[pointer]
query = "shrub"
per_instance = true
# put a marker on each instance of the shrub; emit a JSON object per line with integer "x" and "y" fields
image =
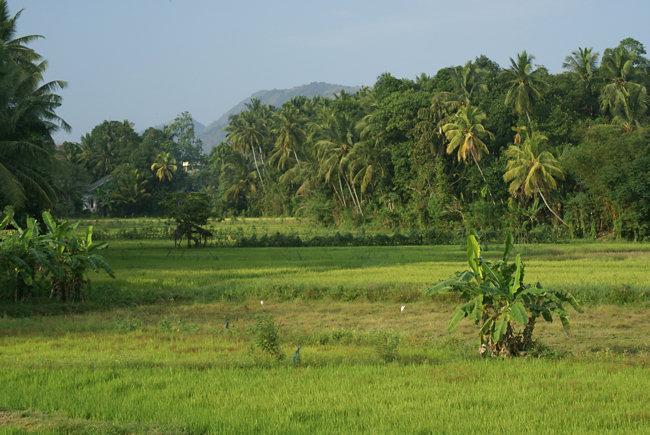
{"x": 267, "y": 336}
{"x": 505, "y": 309}
{"x": 386, "y": 344}
{"x": 32, "y": 262}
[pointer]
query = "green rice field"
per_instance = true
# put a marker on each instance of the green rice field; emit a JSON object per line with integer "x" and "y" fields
{"x": 166, "y": 346}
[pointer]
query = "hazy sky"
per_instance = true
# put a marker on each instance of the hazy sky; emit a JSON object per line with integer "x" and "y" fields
{"x": 148, "y": 60}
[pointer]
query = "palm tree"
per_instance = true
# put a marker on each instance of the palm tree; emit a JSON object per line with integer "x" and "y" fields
{"x": 468, "y": 82}
{"x": 164, "y": 167}
{"x": 624, "y": 99}
{"x": 338, "y": 137}
{"x": 245, "y": 134}
{"x": 465, "y": 133}
{"x": 27, "y": 118}
{"x": 582, "y": 63}
{"x": 525, "y": 85}
{"x": 17, "y": 46}
{"x": 290, "y": 136}
{"x": 238, "y": 178}
{"x": 532, "y": 172}
{"x": 130, "y": 188}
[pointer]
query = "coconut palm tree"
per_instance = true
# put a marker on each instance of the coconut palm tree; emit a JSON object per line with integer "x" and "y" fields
{"x": 531, "y": 171}
{"x": 337, "y": 138}
{"x": 524, "y": 83}
{"x": 468, "y": 82}
{"x": 245, "y": 135}
{"x": 164, "y": 167}
{"x": 465, "y": 133}
{"x": 290, "y": 136}
{"x": 27, "y": 118}
{"x": 582, "y": 63}
{"x": 624, "y": 99}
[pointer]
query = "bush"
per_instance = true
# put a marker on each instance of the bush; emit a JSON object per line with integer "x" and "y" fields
{"x": 504, "y": 308}
{"x": 267, "y": 337}
{"x": 386, "y": 344}
{"x": 33, "y": 263}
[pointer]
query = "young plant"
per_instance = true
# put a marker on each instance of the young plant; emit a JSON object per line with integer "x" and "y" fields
{"x": 500, "y": 304}
{"x": 267, "y": 337}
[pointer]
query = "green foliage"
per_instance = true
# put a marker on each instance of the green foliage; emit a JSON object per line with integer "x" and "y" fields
{"x": 28, "y": 119}
{"x": 188, "y": 208}
{"x": 386, "y": 345}
{"x": 33, "y": 263}
{"x": 613, "y": 170}
{"x": 266, "y": 336}
{"x": 500, "y": 304}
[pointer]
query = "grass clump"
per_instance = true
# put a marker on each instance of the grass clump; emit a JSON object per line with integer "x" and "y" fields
{"x": 386, "y": 345}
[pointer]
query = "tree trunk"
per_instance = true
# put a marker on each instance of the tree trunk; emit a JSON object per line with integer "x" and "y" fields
{"x": 257, "y": 168}
{"x": 354, "y": 200}
{"x": 550, "y": 209}
{"x": 342, "y": 193}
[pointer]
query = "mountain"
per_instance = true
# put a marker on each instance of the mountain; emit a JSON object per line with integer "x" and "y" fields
{"x": 214, "y": 132}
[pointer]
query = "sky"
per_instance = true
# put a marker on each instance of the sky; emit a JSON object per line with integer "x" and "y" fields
{"x": 148, "y": 60}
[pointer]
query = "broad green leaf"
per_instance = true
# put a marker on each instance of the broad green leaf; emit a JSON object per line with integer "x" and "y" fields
{"x": 500, "y": 327}
{"x": 89, "y": 236}
{"x": 459, "y": 315}
{"x": 516, "y": 279}
{"x": 49, "y": 221}
{"x": 519, "y": 313}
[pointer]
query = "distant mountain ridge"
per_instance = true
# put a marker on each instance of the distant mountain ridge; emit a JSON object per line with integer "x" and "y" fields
{"x": 214, "y": 132}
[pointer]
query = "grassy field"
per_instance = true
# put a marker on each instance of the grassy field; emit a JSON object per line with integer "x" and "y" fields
{"x": 149, "y": 351}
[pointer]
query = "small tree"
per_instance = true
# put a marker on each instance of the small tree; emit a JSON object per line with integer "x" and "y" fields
{"x": 188, "y": 210}
{"x": 504, "y": 308}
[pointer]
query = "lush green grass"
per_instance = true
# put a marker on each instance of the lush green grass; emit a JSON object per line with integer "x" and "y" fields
{"x": 149, "y": 351}
{"x": 153, "y": 270}
{"x": 176, "y": 368}
{"x": 246, "y": 226}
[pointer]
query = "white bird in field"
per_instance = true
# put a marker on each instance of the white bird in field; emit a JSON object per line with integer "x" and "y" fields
{"x": 401, "y": 308}
{"x": 262, "y": 303}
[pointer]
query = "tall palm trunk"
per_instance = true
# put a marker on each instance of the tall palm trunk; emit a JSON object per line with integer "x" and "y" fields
{"x": 257, "y": 168}
{"x": 355, "y": 199}
{"x": 550, "y": 209}
{"x": 483, "y": 176}
{"x": 341, "y": 187}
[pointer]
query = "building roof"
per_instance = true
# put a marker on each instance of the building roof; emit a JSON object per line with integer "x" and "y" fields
{"x": 98, "y": 183}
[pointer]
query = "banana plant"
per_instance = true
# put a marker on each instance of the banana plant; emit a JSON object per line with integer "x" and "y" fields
{"x": 504, "y": 308}
{"x": 33, "y": 262}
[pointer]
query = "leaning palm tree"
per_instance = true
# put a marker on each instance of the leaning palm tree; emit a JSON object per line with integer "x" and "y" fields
{"x": 532, "y": 172}
{"x": 164, "y": 167}
{"x": 337, "y": 138}
{"x": 245, "y": 134}
{"x": 525, "y": 85}
{"x": 465, "y": 133}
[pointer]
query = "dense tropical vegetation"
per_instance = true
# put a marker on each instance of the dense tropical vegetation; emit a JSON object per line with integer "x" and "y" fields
{"x": 474, "y": 146}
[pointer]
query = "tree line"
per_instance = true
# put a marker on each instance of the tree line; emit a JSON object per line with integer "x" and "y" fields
{"x": 514, "y": 148}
